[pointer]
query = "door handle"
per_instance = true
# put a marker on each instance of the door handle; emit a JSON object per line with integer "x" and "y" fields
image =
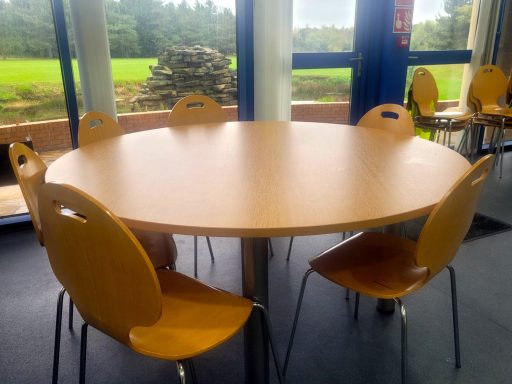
{"x": 359, "y": 60}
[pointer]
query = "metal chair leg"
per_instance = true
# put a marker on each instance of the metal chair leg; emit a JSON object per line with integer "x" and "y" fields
{"x": 455, "y": 316}
{"x": 195, "y": 256}
{"x": 270, "y": 247}
{"x": 192, "y": 370}
{"x": 181, "y": 371}
{"x": 403, "y": 315}
{"x": 271, "y": 338}
{"x": 289, "y": 249}
{"x": 295, "y": 320}
{"x": 56, "y": 347}
{"x": 356, "y": 307}
{"x": 83, "y": 352}
{"x": 210, "y": 248}
{"x": 70, "y": 315}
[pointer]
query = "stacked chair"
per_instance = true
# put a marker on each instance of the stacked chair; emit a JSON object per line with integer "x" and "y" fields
{"x": 385, "y": 266}
{"x": 157, "y": 313}
{"x": 489, "y": 85}
{"x": 422, "y": 100}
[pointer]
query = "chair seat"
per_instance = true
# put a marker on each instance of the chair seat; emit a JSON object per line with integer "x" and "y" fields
{"x": 195, "y": 318}
{"x": 374, "y": 264}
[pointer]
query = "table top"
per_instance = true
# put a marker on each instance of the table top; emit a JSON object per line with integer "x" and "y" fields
{"x": 262, "y": 179}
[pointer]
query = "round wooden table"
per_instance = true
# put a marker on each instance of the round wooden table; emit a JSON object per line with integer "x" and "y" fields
{"x": 256, "y": 180}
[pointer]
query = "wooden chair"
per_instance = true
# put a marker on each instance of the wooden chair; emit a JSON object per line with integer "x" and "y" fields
{"x": 30, "y": 171}
{"x": 425, "y": 95}
{"x": 95, "y": 126}
{"x": 391, "y": 117}
{"x": 158, "y": 313}
{"x": 197, "y": 109}
{"x": 390, "y": 267}
{"x": 488, "y": 86}
{"x": 161, "y": 248}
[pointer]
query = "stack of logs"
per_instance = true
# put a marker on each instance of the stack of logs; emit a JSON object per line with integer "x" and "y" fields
{"x": 183, "y": 71}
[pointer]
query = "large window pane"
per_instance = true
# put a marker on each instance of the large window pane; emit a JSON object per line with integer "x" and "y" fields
{"x": 32, "y": 104}
{"x": 323, "y": 26}
{"x": 440, "y": 25}
{"x": 162, "y": 51}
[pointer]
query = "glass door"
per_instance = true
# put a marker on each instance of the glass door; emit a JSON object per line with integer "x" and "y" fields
{"x": 329, "y": 65}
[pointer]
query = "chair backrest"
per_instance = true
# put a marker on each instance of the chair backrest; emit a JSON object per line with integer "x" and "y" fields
{"x": 95, "y": 126}
{"x": 99, "y": 262}
{"x": 196, "y": 109}
{"x": 391, "y": 117}
{"x": 424, "y": 91}
{"x": 450, "y": 220}
{"x": 489, "y": 84}
{"x": 472, "y": 103}
{"x": 30, "y": 171}
{"x": 509, "y": 89}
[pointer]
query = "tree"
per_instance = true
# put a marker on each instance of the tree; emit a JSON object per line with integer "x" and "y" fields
{"x": 122, "y": 32}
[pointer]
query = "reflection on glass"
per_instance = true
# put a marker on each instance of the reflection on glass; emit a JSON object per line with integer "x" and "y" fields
{"x": 323, "y": 25}
{"x": 155, "y": 58}
{"x": 440, "y": 25}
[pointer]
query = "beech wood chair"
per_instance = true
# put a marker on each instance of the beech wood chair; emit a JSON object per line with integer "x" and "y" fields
{"x": 391, "y": 117}
{"x": 425, "y": 95}
{"x": 196, "y": 109}
{"x": 385, "y": 266}
{"x": 161, "y": 248}
{"x": 488, "y": 86}
{"x": 157, "y": 313}
{"x": 95, "y": 126}
{"x": 30, "y": 171}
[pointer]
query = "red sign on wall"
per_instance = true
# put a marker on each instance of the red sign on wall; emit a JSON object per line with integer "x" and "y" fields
{"x": 403, "y": 20}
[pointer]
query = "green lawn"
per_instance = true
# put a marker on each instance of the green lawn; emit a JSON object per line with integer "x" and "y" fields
{"x": 32, "y": 88}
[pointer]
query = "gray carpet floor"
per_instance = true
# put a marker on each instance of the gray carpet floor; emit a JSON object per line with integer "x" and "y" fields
{"x": 330, "y": 346}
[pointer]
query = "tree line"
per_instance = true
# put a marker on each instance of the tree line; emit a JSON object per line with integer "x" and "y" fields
{"x": 143, "y": 28}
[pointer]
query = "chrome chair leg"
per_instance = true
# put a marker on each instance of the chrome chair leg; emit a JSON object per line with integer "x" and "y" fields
{"x": 356, "y": 307}
{"x": 192, "y": 370}
{"x": 195, "y": 256}
{"x": 181, "y": 371}
{"x": 210, "y": 249}
{"x": 83, "y": 352}
{"x": 271, "y": 338}
{"x": 295, "y": 320}
{"x": 455, "y": 315}
{"x": 289, "y": 249}
{"x": 271, "y": 249}
{"x": 70, "y": 315}
{"x": 56, "y": 347}
{"x": 403, "y": 315}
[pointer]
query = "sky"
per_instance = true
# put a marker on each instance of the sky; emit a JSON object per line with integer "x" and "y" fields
{"x": 337, "y": 12}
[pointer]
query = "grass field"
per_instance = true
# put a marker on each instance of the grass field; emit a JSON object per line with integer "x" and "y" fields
{"x": 31, "y": 89}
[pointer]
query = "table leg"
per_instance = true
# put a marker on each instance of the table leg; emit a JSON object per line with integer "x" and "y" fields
{"x": 255, "y": 287}
{"x": 388, "y": 305}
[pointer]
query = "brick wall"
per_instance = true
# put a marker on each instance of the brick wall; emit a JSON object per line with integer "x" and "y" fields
{"x": 54, "y": 134}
